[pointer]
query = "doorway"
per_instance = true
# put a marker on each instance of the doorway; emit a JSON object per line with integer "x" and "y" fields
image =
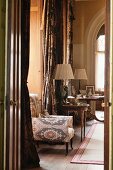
{"x": 88, "y": 50}
{"x": 106, "y": 91}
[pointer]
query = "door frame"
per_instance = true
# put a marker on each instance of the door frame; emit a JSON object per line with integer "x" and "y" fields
{"x": 2, "y": 79}
{"x": 12, "y": 120}
{"x": 107, "y": 87}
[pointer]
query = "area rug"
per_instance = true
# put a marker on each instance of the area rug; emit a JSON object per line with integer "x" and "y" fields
{"x": 91, "y": 150}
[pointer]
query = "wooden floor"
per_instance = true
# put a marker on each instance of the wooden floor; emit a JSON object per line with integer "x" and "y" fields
{"x": 52, "y": 157}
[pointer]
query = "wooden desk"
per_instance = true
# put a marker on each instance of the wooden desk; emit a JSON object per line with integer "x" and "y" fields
{"x": 82, "y": 108}
{"x": 89, "y": 99}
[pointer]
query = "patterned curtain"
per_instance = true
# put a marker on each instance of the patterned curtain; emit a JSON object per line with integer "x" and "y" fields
{"x": 52, "y": 47}
{"x": 70, "y": 18}
{"x": 29, "y": 155}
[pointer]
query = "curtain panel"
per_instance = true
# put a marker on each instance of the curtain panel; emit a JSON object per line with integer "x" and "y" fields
{"x": 52, "y": 48}
{"x": 29, "y": 155}
{"x": 70, "y": 18}
{"x": 57, "y": 37}
{"x": 69, "y": 45}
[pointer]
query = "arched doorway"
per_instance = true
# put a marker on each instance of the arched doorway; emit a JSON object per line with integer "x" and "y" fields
{"x": 90, "y": 39}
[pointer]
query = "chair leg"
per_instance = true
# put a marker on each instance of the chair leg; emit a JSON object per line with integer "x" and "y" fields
{"x": 71, "y": 143}
{"x": 66, "y": 148}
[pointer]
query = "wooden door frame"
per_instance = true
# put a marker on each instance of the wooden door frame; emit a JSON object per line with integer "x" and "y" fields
{"x": 107, "y": 75}
{"x": 107, "y": 87}
{"x": 2, "y": 79}
{"x": 12, "y": 86}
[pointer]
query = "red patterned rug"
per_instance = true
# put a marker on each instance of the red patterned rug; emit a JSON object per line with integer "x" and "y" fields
{"x": 91, "y": 150}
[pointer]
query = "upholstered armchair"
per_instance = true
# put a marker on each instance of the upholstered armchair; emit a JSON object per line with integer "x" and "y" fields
{"x": 50, "y": 128}
{"x": 56, "y": 129}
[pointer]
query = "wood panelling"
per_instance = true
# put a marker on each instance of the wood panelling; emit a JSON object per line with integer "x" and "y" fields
{"x": 35, "y": 66}
{"x": 34, "y": 2}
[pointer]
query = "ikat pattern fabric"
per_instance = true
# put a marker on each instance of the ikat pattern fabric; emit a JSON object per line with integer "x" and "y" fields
{"x": 52, "y": 129}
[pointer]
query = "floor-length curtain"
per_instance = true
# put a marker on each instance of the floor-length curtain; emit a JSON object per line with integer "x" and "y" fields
{"x": 52, "y": 47}
{"x": 29, "y": 155}
{"x": 57, "y": 45}
{"x": 69, "y": 48}
{"x": 70, "y": 18}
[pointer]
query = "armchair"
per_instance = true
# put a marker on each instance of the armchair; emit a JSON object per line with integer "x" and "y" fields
{"x": 56, "y": 129}
{"x": 50, "y": 128}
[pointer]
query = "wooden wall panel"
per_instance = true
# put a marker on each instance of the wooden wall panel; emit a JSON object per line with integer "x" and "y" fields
{"x": 34, "y": 2}
{"x": 35, "y": 67}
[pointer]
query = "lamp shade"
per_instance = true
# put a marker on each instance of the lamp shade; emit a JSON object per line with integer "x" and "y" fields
{"x": 80, "y": 74}
{"x": 63, "y": 72}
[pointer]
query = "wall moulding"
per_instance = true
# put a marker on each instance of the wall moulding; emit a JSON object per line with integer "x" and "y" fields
{"x": 90, "y": 38}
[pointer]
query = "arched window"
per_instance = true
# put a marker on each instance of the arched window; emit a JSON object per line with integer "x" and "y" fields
{"x": 100, "y": 63}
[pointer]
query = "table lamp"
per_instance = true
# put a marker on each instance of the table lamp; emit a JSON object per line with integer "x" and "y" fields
{"x": 64, "y": 72}
{"x": 80, "y": 74}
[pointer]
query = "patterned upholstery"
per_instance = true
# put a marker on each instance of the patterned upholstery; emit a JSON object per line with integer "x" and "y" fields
{"x": 47, "y": 129}
{"x": 56, "y": 129}
{"x": 69, "y": 119}
{"x": 53, "y": 129}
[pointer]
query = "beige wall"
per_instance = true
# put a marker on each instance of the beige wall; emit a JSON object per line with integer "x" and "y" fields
{"x": 84, "y": 13}
{"x": 35, "y": 67}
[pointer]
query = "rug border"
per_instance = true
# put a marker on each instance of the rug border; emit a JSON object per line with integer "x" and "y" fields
{"x": 78, "y": 153}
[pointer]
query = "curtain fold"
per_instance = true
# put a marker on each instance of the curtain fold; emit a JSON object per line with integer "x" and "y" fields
{"x": 29, "y": 155}
{"x": 69, "y": 48}
{"x": 57, "y": 42}
{"x": 52, "y": 51}
{"x": 70, "y": 18}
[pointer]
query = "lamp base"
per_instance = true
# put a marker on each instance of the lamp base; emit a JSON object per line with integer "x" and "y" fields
{"x": 78, "y": 86}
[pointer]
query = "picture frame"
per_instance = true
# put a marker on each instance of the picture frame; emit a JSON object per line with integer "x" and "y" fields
{"x": 90, "y": 90}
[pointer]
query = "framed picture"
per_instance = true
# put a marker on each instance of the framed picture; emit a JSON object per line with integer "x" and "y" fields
{"x": 90, "y": 90}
